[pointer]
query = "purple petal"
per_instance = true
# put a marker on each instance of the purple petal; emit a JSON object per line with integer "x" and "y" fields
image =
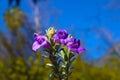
{"x": 62, "y": 34}
{"x": 78, "y": 42}
{"x": 35, "y": 36}
{"x": 56, "y": 38}
{"x": 73, "y": 50}
{"x": 62, "y": 41}
{"x": 80, "y": 50}
{"x": 68, "y": 41}
{"x": 35, "y": 46}
{"x": 45, "y": 44}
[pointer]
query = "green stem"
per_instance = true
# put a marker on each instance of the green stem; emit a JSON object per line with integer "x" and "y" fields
{"x": 67, "y": 68}
{"x": 54, "y": 62}
{"x": 58, "y": 72}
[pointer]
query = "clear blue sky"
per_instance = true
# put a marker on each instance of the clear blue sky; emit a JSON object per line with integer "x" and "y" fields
{"x": 80, "y": 15}
{"x": 84, "y": 14}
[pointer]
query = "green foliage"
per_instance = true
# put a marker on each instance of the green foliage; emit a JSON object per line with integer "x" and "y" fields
{"x": 86, "y": 71}
{"x": 20, "y": 69}
{"x": 14, "y": 18}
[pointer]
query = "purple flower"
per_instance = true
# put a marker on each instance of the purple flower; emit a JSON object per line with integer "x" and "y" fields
{"x": 62, "y": 37}
{"x": 75, "y": 46}
{"x": 40, "y": 41}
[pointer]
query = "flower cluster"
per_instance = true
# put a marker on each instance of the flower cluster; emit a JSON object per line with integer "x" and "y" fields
{"x": 60, "y": 47}
{"x": 60, "y": 37}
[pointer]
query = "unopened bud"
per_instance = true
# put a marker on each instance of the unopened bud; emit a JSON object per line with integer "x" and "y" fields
{"x": 50, "y": 32}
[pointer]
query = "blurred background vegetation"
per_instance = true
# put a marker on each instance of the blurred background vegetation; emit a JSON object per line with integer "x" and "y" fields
{"x": 19, "y": 62}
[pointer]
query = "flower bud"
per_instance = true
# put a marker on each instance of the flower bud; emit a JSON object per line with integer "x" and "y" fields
{"x": 50, "y": 32}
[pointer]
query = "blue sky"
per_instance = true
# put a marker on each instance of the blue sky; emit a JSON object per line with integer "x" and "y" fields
{"x": 80, "y": 15}
{"x": 84, "y": 14}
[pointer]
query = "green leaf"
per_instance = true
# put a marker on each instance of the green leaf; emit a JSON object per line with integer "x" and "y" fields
{"x": 50, "y": 65}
